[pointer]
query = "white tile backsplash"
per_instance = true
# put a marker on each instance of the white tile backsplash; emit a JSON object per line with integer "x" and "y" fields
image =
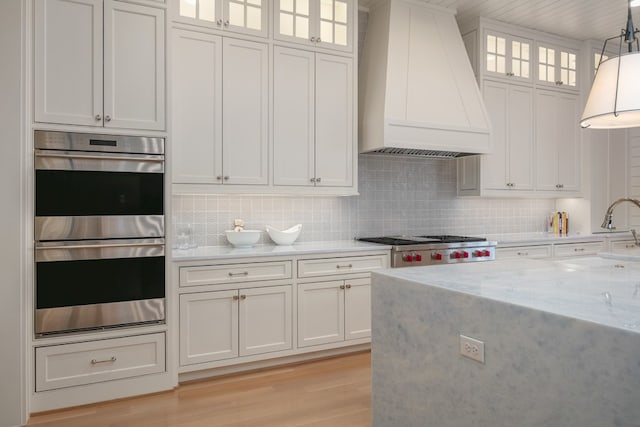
{"x": 398, "y": 195}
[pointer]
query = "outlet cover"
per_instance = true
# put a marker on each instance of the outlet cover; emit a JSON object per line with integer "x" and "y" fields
{"x": 472, "y": 348}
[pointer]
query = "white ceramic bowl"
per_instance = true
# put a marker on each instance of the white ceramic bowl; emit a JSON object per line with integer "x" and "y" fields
{"x": 284, "y": 237}
{"x": 244, "y": 238}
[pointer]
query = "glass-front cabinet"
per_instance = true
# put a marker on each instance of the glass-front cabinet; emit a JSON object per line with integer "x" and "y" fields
{"x": 240, "y": 16}
{"x": 507, "y": 56}
{"x": 320, "y": 23}
{"x": 557, "y": 66}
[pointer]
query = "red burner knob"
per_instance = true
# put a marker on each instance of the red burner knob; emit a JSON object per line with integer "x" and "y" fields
{"x": 465, "y": 254}
{"x": 486, "y": 252}
{"x": 418, "y": 257}
{"x": 457, "y": 255}
{"x": 437, "y": 257}
{"x": 477, "y": 254}
{"x": 408, "y": 258}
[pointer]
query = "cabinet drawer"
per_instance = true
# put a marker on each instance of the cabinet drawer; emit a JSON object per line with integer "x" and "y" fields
{"x": 234, "y": 273}
{"x": 626, "y": 244}
{"x": 328, "y": 266}
{"x": 542, "y": 251}
{"x": 68, "y": 365}
{"x": 577, "y": 249}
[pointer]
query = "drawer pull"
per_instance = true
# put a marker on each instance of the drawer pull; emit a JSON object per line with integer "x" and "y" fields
{"x": 97, "y": 362}
{"x": 244, "y": 273}
{"x": 344, "y": 266}
{"x": 523, "y": 253}
{"x": 578, "y": 249}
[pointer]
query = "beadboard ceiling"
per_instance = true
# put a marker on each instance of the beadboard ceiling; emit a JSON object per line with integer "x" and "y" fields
{"x": 577, "y": 19}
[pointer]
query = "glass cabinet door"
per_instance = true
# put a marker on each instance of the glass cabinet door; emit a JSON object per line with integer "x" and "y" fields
{"x": 557, "y": 66}
{"x": 320, "y": 23}
{"x": 506, "y": 56}
{"x": 240, "y": 16}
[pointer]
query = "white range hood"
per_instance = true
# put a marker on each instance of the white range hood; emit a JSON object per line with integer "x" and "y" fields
{"x": 418, "y": 95}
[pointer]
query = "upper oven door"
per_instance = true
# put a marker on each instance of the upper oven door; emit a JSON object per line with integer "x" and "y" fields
{"x": 96, "y": 195}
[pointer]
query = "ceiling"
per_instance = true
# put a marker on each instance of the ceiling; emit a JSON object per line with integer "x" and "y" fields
{"x": 577, "y": 19}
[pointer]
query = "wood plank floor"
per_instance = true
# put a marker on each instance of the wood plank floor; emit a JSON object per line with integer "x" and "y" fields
{"x": 331, "y": 392}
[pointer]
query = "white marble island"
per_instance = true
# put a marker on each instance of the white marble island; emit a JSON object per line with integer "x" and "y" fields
{"x": 562, "y": 344}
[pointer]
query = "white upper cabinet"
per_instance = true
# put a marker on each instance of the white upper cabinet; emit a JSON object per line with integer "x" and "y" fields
{"x": 240, "y": 16}
{"x": 321, "y": 23}
{"x": 507, "y": 56}
{"x": 557, "y": 66}
{"x": 99, "y": 64}
{"x": 312, "y": 119}
{"x": 557, "y": 141}
{"x": 220, "y": 110}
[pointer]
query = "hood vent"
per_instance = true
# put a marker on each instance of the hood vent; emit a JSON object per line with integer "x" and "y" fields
{"x": 431, "y": 154}
{"x": 418, "y": 95}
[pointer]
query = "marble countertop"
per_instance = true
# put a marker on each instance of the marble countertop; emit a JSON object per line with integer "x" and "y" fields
{"x": 303, "y": 248}
{"x": 549, "y": 238}
{"x": 595, "y": 289}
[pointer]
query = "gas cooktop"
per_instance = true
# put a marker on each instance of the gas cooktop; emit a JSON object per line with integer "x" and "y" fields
{"x": 409, "y": 251}
{"x": 418, "y": 240}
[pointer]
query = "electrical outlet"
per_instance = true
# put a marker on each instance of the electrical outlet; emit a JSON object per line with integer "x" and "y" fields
{"x": 472, "y": 348}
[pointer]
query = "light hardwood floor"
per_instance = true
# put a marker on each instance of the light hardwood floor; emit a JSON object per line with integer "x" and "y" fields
{"x": 333, "y": 392}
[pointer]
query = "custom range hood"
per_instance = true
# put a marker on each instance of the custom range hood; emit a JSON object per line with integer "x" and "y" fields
{"x": 417, "y": 94}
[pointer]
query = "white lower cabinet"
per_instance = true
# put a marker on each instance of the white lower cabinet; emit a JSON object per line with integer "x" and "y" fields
{"x": 539, "y": 251}
{"x": 68, "y": 365}
{"x": 230, "y": 323}
{"x": 577, "y": 249}
{"x": 333, "y": 311}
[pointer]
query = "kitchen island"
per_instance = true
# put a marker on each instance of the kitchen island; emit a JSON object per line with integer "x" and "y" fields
{"x": 561, "y": 344}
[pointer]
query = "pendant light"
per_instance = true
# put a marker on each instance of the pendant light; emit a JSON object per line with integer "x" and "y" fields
{"x": 614, "y": 100}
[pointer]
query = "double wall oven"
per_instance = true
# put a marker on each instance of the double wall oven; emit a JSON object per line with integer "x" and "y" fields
{"x": 99, "y": 231}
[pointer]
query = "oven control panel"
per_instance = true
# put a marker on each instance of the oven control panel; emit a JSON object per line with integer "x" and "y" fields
{"x": 418, "y": 258}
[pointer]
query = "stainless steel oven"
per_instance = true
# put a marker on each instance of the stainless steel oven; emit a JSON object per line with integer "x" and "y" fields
{"x": 99, "y": 231}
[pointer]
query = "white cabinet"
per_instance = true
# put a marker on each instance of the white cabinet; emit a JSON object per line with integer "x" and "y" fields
{"x": 333, "y": 311}
{"x": 312, "y": 119}
{"x": 564, "y": 250}
{"x": 248, "y": 17}
{"x": 81, "y": 363}
{"x": 510, "y": 164}
{"x": 230, "y": 323}
{"x": 320, "y": 23}
{"x": 220, "y": 110}
{"x": 507, "y": 56}
{"x": 99, "y": 64}
{"x": 557, "y": 66}
{"x": 557, "y": 141}
{"x": 510, "y": 252}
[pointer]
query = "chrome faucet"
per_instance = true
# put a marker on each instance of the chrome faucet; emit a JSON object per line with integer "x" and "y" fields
{"x": 608, "y": 216}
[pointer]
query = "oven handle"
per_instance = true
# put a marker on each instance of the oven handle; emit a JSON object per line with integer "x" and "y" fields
{"x": 126, "y": 157}
{"x": 75, "y": 251}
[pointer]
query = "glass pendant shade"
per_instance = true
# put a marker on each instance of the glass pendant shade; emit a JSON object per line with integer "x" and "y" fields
{"x": 614, "y": 100}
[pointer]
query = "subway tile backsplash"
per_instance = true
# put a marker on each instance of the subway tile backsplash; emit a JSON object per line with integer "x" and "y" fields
{"x": 398, "y": 195}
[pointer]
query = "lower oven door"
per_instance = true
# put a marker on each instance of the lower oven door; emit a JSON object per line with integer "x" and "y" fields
{"x": 83, "y": 285}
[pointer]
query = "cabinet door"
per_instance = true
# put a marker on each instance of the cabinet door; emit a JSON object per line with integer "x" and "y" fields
{"x": 495, "y": 165}
{"x": 245, "y": 112}
{"x": 546, "y": 141}
{"x": 246, "y": 16}
{"x": 357, "y": 308}
{"x": 568, "y": 142}
{"x": 520, "y": 134}
{"x": 265, "y": 320}
{"x": 506, "y": 56}
{"x": 293, "y": 116}
{"x": 197, "y": 107}
{"x": 134, "y": 66}
{"x": 208, "y": 326}
{"x": 557, "y": 66}
{"x": 68, "y": 61}
{"x": 334, "y": 121}
{"x": 320, "y": 313}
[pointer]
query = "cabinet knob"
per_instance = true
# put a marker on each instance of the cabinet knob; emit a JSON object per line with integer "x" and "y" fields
{"x": 226, "y": 23}
{"x": 226, "y": 177}
{"x": 235, "y": 298}
{"x": 559, "y": 83}
{"x": 348, "y": 286}
{"x": 312, "y": 39}
{"x": 318, "y": 179}
{"x": 312, "y": 180}
{"x": 219, "y": 22}
{"x": 243, "y": 297}
{"x": 318, "y": 40}
{"x": 98, "y": 117}
{"x": 219, "y": 177}
{"x": 107, "y": 118}
{"x": 341, "y": 286}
